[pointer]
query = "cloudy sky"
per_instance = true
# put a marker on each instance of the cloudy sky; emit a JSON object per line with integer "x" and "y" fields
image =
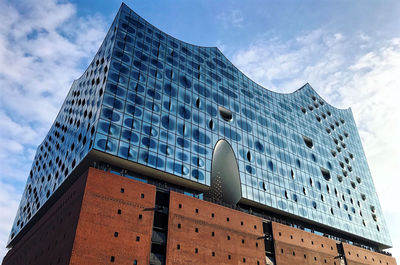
{"x": 349, "y": 51}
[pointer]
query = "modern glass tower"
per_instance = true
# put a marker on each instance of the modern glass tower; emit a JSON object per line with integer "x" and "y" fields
{"x": 184, "y": 114}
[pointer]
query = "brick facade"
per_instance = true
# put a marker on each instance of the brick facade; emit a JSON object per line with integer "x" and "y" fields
{"x": 105, "y": 218}
{"x": 220, "y": 235}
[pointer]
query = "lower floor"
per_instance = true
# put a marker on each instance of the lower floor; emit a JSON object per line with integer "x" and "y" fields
{"x": 104, "y": 218}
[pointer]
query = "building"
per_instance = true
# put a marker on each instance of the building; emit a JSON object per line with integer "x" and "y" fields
{"x": 165, "y": 153}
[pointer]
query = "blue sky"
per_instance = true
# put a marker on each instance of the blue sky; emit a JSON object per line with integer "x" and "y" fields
{"x": 349, "y": 51}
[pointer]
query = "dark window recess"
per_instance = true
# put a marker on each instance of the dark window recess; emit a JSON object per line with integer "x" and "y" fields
{"x": 308, "y": 142}
{"x": 119, "y": 211}
{"x": 138, "y": 238}
{"x": 115, "y": 234}
{"x": 162, "y": 199}
{"x": 122, "y": 190}
{"x": 249, "y": 156}
{"x": 112, "y": 259}
{"x": 160, "y": 220}
{"x": 140, "y": 216}
{"x": 225, "y": 114}
{"x": 326, "y": 174}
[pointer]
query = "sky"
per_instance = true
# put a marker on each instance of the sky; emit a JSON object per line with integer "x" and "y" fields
{"x": 349, "y": 52}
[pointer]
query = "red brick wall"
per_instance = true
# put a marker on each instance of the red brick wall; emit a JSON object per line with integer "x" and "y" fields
{"x": 80, "y": 229}
{"x": 183, "y": 211}
{"x": 358, "y": 256}
{"x": 95, "y": 242}
{"x": 50, "y": 239}
{"x": 295, "y": 246}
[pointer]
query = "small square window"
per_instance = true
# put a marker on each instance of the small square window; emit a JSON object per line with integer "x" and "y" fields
{"x": 242, "y": 241}
{"x": 138, "y": 238}
{"x": 115, "y": 234}
{"x": 229, "y": 257}
{"x": 196, "y": 230}
{"x": 197, "y": 210}
{"x": 140, "y": 216}
{"x": 212, "y": 215}
{"x": 142, "y": 195}
{"x": 212, "y": 234}
{"x": 227, "y": 219}
{"x": 213, "y": 253}
{"x": 112, "y": 259}
{"x": 122, "y": 190}
{"x": 135, "y": 262}
{"x": 179, "y": 226}
{"x": 196, "y": 250}
{"x": 119, "y": 211}
{"x": 178, "y": 246}
{"x": 180, "y": 206}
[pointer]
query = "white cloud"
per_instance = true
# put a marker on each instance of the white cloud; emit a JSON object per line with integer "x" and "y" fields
{"x": 44, "y": 46}
{"x": 9, "y": 201}
{"x": 232, "y": 18}
{"x": 357, "y": 72}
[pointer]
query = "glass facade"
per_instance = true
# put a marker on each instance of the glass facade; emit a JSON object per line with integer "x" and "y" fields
{"x": 157, "y": 101}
